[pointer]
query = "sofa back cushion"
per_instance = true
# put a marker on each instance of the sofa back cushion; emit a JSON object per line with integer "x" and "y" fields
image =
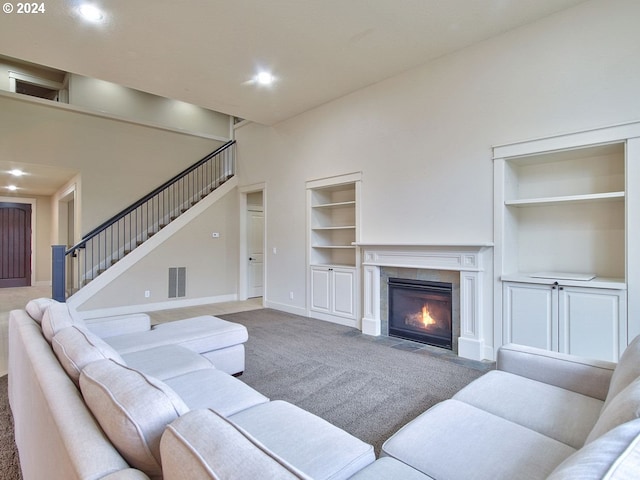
{"x": 55, "y": 318}
{"x": 204, "y": 445}
{"x": 76, "y": 347}
{"x": 36, "y": 307}
{"x": 132, "y": 409}
{"x": 624, "y": 407}
{"x": 627, "y": 370}
{"x": 613, "y": 456}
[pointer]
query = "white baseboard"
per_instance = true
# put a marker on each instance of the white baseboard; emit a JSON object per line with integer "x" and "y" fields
{"x": 283, "y": 307}
{"x": 347, "y": 322}
{"x": 153, "y": 307}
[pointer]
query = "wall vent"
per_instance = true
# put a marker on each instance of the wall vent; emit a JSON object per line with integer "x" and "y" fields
{"x": 177, "y": 282}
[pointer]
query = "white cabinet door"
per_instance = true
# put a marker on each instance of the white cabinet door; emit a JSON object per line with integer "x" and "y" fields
{"x": 333, "y": 290}
{"x": 344, "y": 292}
{"x": 590, "y": 322}
{"x": 530, "y": 315}
{"x": 320, "y": 289}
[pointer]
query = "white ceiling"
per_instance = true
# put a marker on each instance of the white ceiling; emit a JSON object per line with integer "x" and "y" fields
{"x": 206, "y": 51}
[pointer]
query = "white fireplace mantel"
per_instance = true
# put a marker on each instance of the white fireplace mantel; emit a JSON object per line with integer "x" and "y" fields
{"x": 470, "y": 260}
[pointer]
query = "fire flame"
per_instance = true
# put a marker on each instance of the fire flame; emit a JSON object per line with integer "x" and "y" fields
{"x": 427, "y": 319}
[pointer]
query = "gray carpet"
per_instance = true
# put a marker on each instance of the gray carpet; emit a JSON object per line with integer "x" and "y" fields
{"x": 368, "y": 386}
{"x": 9, "y": 463}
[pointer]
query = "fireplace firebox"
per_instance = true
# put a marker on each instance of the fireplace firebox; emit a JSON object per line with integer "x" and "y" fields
{"x": 420, "y": 310}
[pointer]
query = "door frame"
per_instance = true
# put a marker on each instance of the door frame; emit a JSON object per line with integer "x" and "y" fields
{"x": 243, "y": 274}
{"x": 32, "y": 202}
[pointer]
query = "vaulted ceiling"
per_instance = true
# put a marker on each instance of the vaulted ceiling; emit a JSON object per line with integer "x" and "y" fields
{"x": 206, "y": 52}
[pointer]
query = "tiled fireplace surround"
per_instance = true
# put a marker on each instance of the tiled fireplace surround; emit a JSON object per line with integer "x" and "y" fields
{"x": 461, "y": 265}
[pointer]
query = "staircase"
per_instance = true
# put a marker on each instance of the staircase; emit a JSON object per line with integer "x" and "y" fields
{"x": 116, "y": 238}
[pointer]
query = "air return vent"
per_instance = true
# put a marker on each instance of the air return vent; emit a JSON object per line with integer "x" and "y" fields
{"x": 177, "y": 282}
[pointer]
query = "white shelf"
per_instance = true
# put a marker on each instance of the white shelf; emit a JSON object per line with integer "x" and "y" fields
{"x": 334, "y": 246}
{"x": 344, "y": 227}
{"x": 335, "y": 205}
{"x": 567, "y": 199}
{"x": 597, "y": 282}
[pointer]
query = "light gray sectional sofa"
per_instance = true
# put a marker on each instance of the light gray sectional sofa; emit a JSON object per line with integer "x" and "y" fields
{"x": 539, "y": 415}
{"x": 86, "y": 407}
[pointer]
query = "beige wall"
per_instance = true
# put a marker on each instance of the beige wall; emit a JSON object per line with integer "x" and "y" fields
{"x": 423, "y": 139}
{"x": 117, "y": 100}
{"x": 119, "y": 161}
{"x": 211, "y": 263}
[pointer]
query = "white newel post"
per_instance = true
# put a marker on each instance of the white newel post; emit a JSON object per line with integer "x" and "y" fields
{"x": 467, "y": 259}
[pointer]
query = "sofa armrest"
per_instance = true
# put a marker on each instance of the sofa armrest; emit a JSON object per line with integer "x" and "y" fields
{"x": 106, "y": 327}
{"x": 578, "y": 374}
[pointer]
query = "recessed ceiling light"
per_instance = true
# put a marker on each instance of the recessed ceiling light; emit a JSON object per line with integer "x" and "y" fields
{"x": 16, "y": 173}
{"x": 13, "y": 188}
{"x": 265, "y": 78}
{"x": 90, "y": 12}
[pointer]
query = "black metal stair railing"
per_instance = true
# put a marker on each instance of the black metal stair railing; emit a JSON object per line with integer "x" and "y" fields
{"x": 108, "y": 243}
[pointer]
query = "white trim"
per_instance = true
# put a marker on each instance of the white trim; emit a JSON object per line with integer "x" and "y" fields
{"x": 335, "y": 180}
{"x": 284, "y": 307}
{"x": 242, "y": 266}
{"x": 32, "y": 202}
{"x": 567, "y": 141}
{"x": 154, "y": 307}
{"x": 108, "y": 116}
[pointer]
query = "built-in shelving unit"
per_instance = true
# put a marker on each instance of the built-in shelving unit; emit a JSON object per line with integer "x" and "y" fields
{"x": 334, "y": 257}
{"x": 565, "y": 211}
{"x": 333, "y": 225}
{"x": 567, "y": 204}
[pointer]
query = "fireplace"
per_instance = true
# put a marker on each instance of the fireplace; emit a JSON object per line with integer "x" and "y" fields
{"x": 420, "y": 310}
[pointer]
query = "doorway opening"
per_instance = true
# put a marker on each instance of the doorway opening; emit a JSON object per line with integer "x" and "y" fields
{"x": 15, "y": 244}
{"x": 252, "y": 242}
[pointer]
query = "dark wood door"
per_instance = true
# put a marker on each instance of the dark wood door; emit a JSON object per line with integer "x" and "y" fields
{"x": 15, "y": 244}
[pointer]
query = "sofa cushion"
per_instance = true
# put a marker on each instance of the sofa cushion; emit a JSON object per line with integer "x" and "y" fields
{"x": 389, "y": 468}
{"x": 561, "y": 414}
{"x": 76, "y": 347}
{"x": 132, "y": 409}
{"x": 215, "y": 389}
{"x": 625, "y": 406}
{"x": 203, "y": 444}
{"x": 200, "y": 334}
{"x": 627, "y": 370}
{"x": 55, "y": 318}
{"x": 456, "y": 441}
{"x": 167, "y": 361}
{"x": 36, "y": 307}
{"x": 316, "y": 447}
{"x": 613, "y": 456}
